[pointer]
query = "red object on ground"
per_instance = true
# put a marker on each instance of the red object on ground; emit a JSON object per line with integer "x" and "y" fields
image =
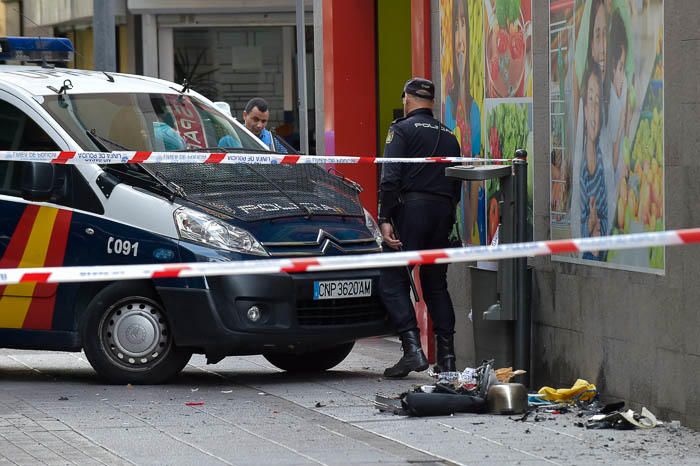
{"x": 194, "y": 403}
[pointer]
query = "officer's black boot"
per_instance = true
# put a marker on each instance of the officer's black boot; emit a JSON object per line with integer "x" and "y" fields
{"x": 445, "y": 354}
{"x": 413, "y": 357}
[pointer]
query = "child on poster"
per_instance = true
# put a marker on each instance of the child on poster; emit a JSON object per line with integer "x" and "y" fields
{"x": 617, "y": 110}
{"x": 593, "y": 199}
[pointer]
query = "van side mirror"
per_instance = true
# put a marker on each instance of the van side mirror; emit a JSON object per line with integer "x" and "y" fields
{"x": 224, "y": 108}
{"x": 38, "y": 181}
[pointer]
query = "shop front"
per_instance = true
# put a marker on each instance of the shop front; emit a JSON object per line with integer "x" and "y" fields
{"x": 230, "y": 51}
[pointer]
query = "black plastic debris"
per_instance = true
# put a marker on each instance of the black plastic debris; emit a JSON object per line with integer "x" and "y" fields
{"x": 623, "y": 420}
{"x": 442, "y": 404}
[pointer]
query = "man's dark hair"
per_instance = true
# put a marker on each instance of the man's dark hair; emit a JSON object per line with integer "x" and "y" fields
{"x": 256, "y": 102}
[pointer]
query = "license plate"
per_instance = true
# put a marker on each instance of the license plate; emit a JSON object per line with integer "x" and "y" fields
{"x": 340, "y": 289}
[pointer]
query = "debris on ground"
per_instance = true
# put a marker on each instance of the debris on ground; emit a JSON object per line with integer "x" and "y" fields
{"x": 507, "y": 398}
{"x": 583, "y": 399}
{"x": 674, "y": 426}
{"x": 453, "y": 392}
{"x": 506, "y": 374}
{"x": 623, "y": 420}
{"x": 194, "y": 403}
{"x": 390, "y": 405}
{"x": 581, "y": 390}
{"x": 485, "y": 389}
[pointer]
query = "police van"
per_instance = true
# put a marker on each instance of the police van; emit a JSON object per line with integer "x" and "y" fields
{"x": 91, "y": 214}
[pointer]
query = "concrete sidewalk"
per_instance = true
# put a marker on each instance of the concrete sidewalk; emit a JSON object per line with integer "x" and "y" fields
{"x": 53, "y": 410}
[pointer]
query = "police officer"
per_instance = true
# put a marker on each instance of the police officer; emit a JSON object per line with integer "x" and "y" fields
{"x": 419, "y": 201}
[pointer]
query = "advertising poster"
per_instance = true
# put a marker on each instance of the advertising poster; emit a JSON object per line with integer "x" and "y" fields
{"x": 486, "y": 89}
{"x": 607, "y": 126}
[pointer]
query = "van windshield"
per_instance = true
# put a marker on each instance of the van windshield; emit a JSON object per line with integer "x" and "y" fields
{"x": 146, "y": 122}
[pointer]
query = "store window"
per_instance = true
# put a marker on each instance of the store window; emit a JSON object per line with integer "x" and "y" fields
{"x": 238, "y": 63}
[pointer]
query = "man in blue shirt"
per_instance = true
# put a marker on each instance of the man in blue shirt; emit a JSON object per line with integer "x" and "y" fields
{"x": 255, "y": 117}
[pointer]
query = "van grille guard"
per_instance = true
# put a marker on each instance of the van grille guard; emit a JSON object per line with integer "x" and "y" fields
{"x": 264, "y": 192}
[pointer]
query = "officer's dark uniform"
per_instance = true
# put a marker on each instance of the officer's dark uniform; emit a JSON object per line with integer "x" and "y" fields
{"x": 420, "y": 201}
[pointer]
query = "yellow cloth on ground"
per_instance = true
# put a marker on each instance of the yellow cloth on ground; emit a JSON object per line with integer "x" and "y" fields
{"x": 567, "y": 394}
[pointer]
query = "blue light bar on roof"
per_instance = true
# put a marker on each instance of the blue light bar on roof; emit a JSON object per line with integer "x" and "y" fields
{"x": 36, "y": 49}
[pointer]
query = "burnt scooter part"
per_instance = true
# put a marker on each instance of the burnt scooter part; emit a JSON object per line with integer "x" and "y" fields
{"x": 445, "y": 397}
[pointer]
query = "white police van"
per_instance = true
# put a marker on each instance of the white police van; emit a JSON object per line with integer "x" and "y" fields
{"x": 87, "y": 215}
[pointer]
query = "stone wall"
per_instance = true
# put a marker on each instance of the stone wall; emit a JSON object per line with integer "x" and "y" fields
{"x": 636, "y": 335}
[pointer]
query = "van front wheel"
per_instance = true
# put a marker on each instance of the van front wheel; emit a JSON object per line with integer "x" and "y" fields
{"x": 127, "y": 337}
{"x": 312, "y": 361}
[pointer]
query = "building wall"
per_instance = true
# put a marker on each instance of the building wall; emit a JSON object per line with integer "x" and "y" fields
{"x": 52, "y": 12}
{"x": 3, "y": 20}
{"x": 212, "y": 6}
{"x": 123, "y": 47}
{"x": 350, "y": 98}
{"x": 84, "y": 42}
{"x": 635, "y": 335}
{"x": 393, "y": 61}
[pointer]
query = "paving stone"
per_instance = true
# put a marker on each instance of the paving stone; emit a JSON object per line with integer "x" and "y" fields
{"x": 257, "y": 414}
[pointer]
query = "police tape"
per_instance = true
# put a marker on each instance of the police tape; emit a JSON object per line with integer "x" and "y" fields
{"x": 222, "y": 158}
{"x": 365, "y": 261}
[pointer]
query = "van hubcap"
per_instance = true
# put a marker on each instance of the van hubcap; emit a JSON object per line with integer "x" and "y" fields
{"x": 135, "y": 333}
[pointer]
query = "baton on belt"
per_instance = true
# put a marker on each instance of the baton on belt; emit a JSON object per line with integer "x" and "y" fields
{"x": 414, "y": 290}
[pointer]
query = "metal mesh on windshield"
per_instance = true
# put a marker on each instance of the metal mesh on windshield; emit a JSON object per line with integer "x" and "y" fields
{"x": 258, "y": 192}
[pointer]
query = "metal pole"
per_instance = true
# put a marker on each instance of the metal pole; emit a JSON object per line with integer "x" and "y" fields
{"x": 523, "y": 318}
{"x": 103, "y": 30}
{"x": 301, "y": 79}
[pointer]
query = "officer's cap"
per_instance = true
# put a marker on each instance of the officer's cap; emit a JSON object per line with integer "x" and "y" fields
{"x": 420, "y": 88}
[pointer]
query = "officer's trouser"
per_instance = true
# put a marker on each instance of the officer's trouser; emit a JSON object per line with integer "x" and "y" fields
{"x": 421, "y": 224}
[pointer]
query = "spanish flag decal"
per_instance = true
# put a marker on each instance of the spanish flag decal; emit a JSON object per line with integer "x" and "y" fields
{"x": 39, "y": 240}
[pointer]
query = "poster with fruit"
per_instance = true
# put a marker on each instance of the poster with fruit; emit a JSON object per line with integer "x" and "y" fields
{"x": 508, "y": 48}
{"x": 469, "y": 31}
{"x": 607, "y": 125}
{"x": 508, "y": 127}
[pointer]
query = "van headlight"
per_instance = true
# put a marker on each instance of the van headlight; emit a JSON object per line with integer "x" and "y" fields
{"x": 374, "y": 228}
{"x": 205, "y": 229}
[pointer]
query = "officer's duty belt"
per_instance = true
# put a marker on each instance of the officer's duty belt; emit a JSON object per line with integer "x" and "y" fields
{"x": 421, "y": 196}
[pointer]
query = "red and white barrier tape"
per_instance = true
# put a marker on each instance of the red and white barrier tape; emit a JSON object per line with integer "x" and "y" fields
{"x": 75, "y": 158}
{"x": 365, "y": 261}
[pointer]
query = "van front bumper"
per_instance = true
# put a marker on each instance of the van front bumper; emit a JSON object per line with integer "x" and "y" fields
{"x": 215, "y": 320}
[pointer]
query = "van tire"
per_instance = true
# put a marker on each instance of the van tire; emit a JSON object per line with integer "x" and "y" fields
{"x": 312, "y": 361}
{"x": 127, "y": 337}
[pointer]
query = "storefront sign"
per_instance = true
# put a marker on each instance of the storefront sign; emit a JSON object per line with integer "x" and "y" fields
{"x": 188, "y": 122}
